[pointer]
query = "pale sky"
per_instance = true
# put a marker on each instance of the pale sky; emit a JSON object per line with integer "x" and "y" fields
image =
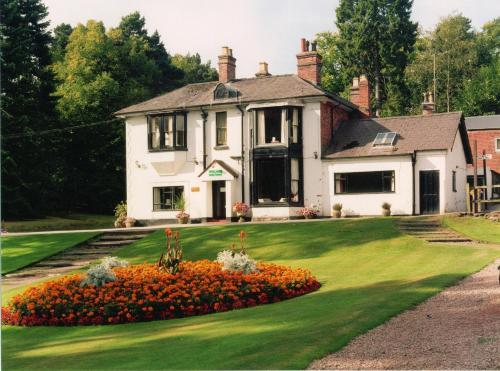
{"x": 257, "y": 30}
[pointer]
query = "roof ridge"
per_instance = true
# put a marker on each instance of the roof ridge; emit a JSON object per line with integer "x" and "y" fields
{"x": 409, "y": 116}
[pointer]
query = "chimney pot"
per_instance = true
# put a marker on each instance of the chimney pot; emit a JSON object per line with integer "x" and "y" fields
{"x": 309, "y": 63}
{"x": 428, "y": 106}
{"x": 263, "y": 71}
{"x": 355, "y": 82}
{"x": 303, "y": 47}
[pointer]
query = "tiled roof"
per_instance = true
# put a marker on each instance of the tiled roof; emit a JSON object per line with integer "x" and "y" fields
{"x": 415, "y": 133}
{"x": 482, "y": 122}
{"x": 250, "y": 90}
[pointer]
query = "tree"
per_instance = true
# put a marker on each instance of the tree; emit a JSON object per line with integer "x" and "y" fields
{"x": 481, "y": 95}
{"x": 454, "y": 49}
{"x": 376, "y": 37}
{"x": 27, "y": 107}
{"x": 333, "y": 76}
{"x": 194, "y": 70}
{"x": 59, "y": 41}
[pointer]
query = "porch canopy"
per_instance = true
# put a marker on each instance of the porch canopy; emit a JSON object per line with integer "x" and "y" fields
{"x": 218, "y": 170}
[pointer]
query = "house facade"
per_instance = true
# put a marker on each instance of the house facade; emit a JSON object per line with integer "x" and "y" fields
{"x": 280, "y": 143}
{"x": 484, "y": 137}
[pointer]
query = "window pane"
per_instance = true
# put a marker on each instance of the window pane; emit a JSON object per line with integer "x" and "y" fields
{"x": 169, "y": 131}
{"x": 273, "y": 120}
{"x": 155, "y": 132}
{"x": 498, "y": 144}
{"x": 261, "y": 127}
{"x": 270, "y": 180}
{"x": 180, "y": 128}
{"x": 365, "y": 182}
{"x": 294, "y": 175}
{"x": 164, "y": 197}
{"x": 295, "y": 125}
{"x": 221, "y": 128}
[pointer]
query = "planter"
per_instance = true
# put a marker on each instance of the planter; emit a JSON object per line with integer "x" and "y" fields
{"x": 337, "y": 213}
{"x": 386, "y": 212}
{"x": 309, "y": 216}
{"x": 241, "y": 217}
{"x": 183, "y": 220}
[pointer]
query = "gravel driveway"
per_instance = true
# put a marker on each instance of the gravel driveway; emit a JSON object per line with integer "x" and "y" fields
{"x": 456, "y": 329}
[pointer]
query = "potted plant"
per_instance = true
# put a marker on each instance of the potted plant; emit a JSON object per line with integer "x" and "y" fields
{"x": 386, "y": 209}
{"x": 337, "y": 210}
{"x": 308, "y": 212}
{"x": 180, "y": 204}
{"x": 129, "y": 222}
{"x": 241, "y": 210}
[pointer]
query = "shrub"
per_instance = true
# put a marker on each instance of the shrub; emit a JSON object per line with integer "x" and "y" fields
{"x": 144, "y": 293}
{"x": 241, "y": 208}
{"x": 337, "y": 207}
{"x": 386, "y": 206}
{"x": 121, "y": 210}
{"x": 98, "y": 275}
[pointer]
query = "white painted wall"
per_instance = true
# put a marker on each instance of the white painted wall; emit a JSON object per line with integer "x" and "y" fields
{"x": 455, "y": 161}
{"x": 370, "y": 203}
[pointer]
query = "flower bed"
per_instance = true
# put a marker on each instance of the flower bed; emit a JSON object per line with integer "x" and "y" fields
{"x": 144, "y": 293}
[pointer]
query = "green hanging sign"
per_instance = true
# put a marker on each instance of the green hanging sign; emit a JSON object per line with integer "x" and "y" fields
{"x": 217, "y": 172}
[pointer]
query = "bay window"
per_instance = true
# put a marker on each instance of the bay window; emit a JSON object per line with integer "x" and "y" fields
{"x": 365, "y": 182}
{"x": 167, "y": 132}
{"x": 277, "y": 125}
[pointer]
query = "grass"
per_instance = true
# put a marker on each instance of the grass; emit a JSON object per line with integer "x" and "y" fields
{"x": 20, "y": 251}
{"x": 61, "y": 222}
{"x": 478, "y": 228}
{"x": 369, "y": 272}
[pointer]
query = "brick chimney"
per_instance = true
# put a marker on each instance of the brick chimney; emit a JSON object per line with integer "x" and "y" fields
{"x": 227, "y": 65}
{"x": 428, "y": 105}
{"x": 359, "y": 94}
{"x": 263, "y": 71}
{"x": 309, "y": 62}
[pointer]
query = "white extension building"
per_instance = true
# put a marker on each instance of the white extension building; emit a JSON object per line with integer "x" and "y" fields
{"x": 279, "y": 143}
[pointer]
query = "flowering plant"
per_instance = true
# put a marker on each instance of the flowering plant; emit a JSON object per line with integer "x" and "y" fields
{"x": 308, "y": 212}
{"x": 144, "y": 293}
{"x": 182, "y": 215}
{"x": 170, "y": 261}
{"x": 241, "y": 208}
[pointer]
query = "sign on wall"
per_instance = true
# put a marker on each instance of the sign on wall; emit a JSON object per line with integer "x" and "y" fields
{"x": 215, "y": 172}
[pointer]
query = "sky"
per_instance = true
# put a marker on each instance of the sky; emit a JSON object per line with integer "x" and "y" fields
{"x": 256, "y": 30}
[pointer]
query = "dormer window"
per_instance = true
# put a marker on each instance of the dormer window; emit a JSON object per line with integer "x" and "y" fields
{"x": 222, "y": 91}
{"x": 384, "y": 139}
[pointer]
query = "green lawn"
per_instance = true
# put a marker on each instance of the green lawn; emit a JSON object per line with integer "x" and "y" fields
{"x": 477, "y": 228}
{"x": 369, "y": 272}
{"x": 20, "y": 251}
{"x": 61, "y": 222}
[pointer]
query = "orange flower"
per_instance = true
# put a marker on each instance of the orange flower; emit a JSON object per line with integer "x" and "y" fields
{"x": 168, "y": 232}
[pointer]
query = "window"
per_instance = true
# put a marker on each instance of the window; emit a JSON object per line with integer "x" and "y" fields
{"x": 222, "y": 91}
{"x": 167, "y": 132}
{"x": 384, "y": 139}
{"x": 221, "y": 128}
{"x": 497, "y": 144}
{"x": 165, "y": 198}
{"x": 365, "y": 182}
{"x": 274, "y": 124}
{"x": 453, "y": 180}
{"x": 277, "y": 181}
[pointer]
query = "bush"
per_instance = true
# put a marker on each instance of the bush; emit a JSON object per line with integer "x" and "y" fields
{"x": 102, "y": 273}
{"x": 337, "y": 207}
{"x": 236, "y": 261}
{"x": 144, "y": 293}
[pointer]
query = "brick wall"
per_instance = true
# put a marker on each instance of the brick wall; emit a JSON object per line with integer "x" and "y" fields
{"x": 331, "y": 116}
{"x": 486, "y": 140}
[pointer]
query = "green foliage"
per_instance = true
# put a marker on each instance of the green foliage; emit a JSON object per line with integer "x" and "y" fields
{"x": 180, "y": 202}
{"x": 333, "y": 76}
{"x": 194, "y": 70}
{"x": 376, "y": 38}
{"x": 170, "y": 260}
{"x": 121, "y": 210}
{"x": 59, "y": 41}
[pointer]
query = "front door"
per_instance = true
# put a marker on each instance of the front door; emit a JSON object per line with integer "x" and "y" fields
{"x": 219, "y": 199}
{"x": 429, "y": 192}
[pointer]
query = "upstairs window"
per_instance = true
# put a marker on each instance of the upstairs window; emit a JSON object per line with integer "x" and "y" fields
{"x": 221, "y": 128}
{"x": 167, "y": 132}
{"x": 497, "y": 144}
{"x": 277, "y": 125}
{"x": 365, "y": 182}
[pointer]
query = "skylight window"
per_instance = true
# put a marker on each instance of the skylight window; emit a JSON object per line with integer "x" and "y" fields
{"x": 384, "y": 139}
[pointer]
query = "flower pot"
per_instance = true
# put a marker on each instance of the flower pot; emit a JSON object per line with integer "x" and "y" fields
{"x": 337, "y": 213}
{"x": 183, "y": 220}
{"x": 309, "y": 216}
{"x": 386, "y": 212}
{"x": 129, "y": 224}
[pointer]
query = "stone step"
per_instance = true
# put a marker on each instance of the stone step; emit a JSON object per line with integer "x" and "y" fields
{"x": 124, "y": 232}
{"x": 80, "y": 257}
{"x": 458, "y": 239}
{"x": 57, "y": 264}
{"x": 111, "y": 243}
{"x": 413, "y": 225}
{"x": 90, "y": 251}
{"x": 119, "y": 237}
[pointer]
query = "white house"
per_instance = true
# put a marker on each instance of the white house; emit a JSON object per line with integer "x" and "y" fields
{"x": 279, "y": 143}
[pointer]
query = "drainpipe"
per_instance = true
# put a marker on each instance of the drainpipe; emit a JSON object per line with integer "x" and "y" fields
{"x": 413, "y": 162}
{"x": 242, "y": 156}
{"x": 204, "y": 115}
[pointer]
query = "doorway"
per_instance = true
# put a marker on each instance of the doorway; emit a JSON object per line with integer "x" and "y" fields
{"x": 429, "y": 192}
{"x": 219, "y": 200}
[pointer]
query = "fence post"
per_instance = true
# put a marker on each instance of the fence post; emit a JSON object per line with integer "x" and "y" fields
{"x": 467, "y": 197}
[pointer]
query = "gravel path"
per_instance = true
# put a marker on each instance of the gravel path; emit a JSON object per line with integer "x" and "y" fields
{"x": 456, "y": 329}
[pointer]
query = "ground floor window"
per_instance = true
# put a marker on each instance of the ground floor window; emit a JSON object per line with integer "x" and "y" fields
{"x": 365, "y": 182}
{"x": 277, "y": 181}
{"x": 453, "y": 180}
{"x": 166, "y": 198}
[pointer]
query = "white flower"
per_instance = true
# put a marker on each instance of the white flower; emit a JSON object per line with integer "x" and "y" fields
{"x": 113, "y": 261}
{"x": 236, "y": 261}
